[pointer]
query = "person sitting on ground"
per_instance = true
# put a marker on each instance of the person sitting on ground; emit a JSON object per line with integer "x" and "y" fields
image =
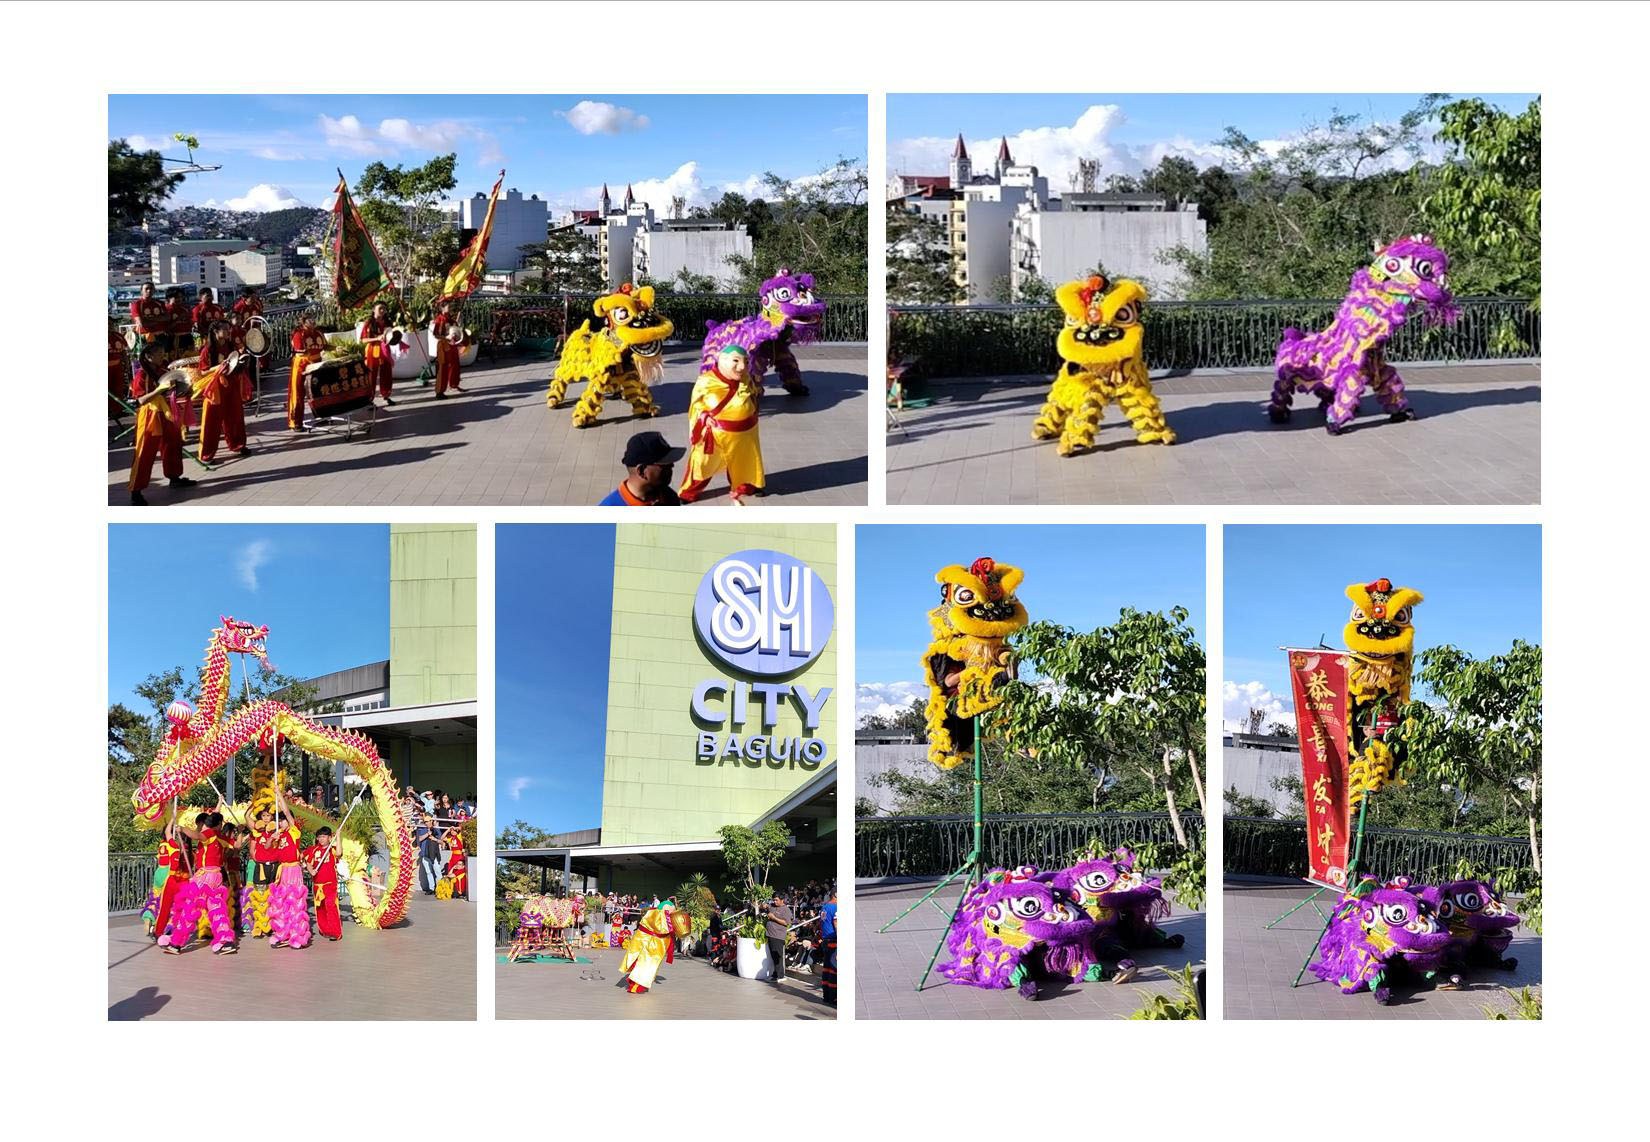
{"x": 649, "y": 462}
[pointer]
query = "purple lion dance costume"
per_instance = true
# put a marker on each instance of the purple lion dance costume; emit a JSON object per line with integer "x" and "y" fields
{"x": 790, "y": 316}
{"x": 1382, "y": 933}
{"x": 1480, "y": 925}
{"x": 1336, "y": 365}
{"x": 1124, "y": 903}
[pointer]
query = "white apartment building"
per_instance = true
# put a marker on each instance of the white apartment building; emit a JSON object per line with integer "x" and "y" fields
{"x": 217, "y": 263}
{"x": 662, "y": 249}
{"x": 517, "y": 222}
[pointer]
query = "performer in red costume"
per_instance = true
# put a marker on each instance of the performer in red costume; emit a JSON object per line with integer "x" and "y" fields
{"x": 288, "y": 900}
{"x": 205, "y": 892}
{"x": 321, "y": 859}
{"x": 308, "y": 343}
{"x": 457, "y": 867}
{"x": 157, "y": 433}
{"x": 204, "y": 316}
{"x": 179, "y": 323}
{"x": 149, "y": 316}
{"x": 222, "y": 408}
{"x": 169, "y": 856}
{"x": 379, "y": 363}
{"x": 246, "y": 307}
{"x": 446, "y": 353}
{"x": 120, "y": 370}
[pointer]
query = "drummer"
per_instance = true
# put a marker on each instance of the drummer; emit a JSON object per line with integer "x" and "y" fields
{"x": 157, "y": 434}
{"x": 308, "y": 343}
{"x": 446, "y": 353}
{"x": 248, "y": 306}
{"x": 207, "y": 313}
{"x": 222, "y": 409}
{"x": 120, "y": 370}
{"x": 375, "y": 332}
{"x": 179, "y": 323}
{"x": 149, "y": 318}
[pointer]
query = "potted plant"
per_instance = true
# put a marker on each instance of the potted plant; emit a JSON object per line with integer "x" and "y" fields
{"x": 753, "y": 960}
{"x": 749, "y": 855}
{"x": 694, "y": 896}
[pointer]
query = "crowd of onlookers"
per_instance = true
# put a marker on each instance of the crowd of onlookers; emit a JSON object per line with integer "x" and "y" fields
{"x": 437, "y": 822}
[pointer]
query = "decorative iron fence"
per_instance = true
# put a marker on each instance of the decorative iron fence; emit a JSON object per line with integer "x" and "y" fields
{"x": 934, "y": 846}
{"x": 1012, "y": 340}
{"x": 1261, "y": 846}
{"x": 129, "y": 878}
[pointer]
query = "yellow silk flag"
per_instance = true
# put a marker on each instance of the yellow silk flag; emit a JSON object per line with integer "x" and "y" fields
{"x": 466, "y": 273}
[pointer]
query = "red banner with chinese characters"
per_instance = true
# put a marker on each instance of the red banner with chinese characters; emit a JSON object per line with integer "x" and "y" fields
{"x": 1322, "y": 716}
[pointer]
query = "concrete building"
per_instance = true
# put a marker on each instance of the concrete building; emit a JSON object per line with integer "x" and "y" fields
{"x": 877, "y": 752}
{"x": 217, "y": 264}
{"x": 720, "y": 705}
{"x": 517, "y": 222}
{"x": 663, "y": 249}
{"x": 1252, "y": 763}
{"x": 1129, "y": 240}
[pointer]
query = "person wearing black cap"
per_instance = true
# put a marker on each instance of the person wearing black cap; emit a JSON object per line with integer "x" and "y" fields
{"x": 648, "y": 460}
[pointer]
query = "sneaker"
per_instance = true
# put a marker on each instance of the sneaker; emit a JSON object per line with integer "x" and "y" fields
{"x": 225, "y": 950}
{"x": 1126, "y": 970}
{"x": 180, "y": 482}
{"x": 171, "y": 949}
{"x": 440, "y": 396}
{"x": 388, "y": 401}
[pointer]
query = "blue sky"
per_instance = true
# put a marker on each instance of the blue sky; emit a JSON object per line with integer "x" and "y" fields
{"x": 322, "y": 590}
{"x": 1125, "y": 132}
{"x": 279, "y": 148}
{"x": 1284, "y": 586}
{"x": 1078, "y": 575}
{"x": 552, "y": 673}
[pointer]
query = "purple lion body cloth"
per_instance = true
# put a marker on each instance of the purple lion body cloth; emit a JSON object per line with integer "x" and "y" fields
{"x": 1124, "y": 903}
{"x": 1016, "y": 929}
{"x": 1480, "y": 925}
{"x": 791, "y": 315}
{"x": 1380, "y": 932}
{"x": 1407, "y": 277}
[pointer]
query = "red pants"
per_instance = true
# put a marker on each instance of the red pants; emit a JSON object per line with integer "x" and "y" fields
{"x": 295, "y": 391}
{"x": 167, "y": 443}
{"x": 168, "y": 896}
{"x": 461, "y": 878}
{"x": 446, "y": 366}
{"x": 226, "y": 414}
{"x": 382, "y": 370}
{"x": 326, "y": 909}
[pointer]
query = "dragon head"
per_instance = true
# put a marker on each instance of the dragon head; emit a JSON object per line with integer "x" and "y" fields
{"x": 1470, "y": 906}
{"x": 979, "y": 599}
{"x": 788, "y": 300}
{"x": 1415, "y": 267}
{"x": 1102, "y": 322}
{"x": 1381, "y": 621}
{"x": 1401, "y": 922}
{"x": 244, "y": 638}
{"x": 632, "y": 320}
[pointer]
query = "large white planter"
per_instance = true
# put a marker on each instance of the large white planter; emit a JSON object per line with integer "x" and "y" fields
{"x": 753, "y": 960}
{"x": 465, "y": 359}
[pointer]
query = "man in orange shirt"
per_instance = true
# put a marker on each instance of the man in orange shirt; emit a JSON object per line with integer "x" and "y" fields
{"x": 446, "y": 353}
{"x": 379, "y": 363}
{"x": 157, "y": 434}
{"x": 222, "y": 409}
{"x": 308, "y": 343}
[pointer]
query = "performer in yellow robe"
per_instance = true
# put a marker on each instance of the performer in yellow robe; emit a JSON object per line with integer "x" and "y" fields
{"x": 722, "y": 415}
{"x": 652, "y": 944}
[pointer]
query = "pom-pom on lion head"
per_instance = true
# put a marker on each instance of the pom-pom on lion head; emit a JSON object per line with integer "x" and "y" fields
{"x": 1103, "y": 322}
{"x": 1381, "y": 623}
{"x": 979, "y": 599}
{"x": 631, "y": 318}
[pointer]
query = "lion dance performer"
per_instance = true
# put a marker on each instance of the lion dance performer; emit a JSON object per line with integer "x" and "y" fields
{"x": 623, "y": 358}
{"x": 1380, "y": 640}
{"x": 1017, "y": 929}
{"x": 791, "y": 315}
{"x": 653, "y": 943}
{"x": 321, "y": 859}
{"x": 723, "y": 412}
{"x": 1336, "y": 365}
{"x": 288, "y": 898}
{"x": 1103, "y": 354}
{"x": 1379, "y": 934}
{"x": 968, "y": 659}
{"x": 205, "y": 891}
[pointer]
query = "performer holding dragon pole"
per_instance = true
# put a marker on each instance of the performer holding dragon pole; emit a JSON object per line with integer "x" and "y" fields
{"x": 205, "y": 891}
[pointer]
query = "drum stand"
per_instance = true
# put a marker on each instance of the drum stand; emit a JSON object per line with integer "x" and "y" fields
{"x": 332, "y": 424}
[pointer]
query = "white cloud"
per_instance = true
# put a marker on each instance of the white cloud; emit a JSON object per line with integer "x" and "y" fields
{"x": 392, "y": 136}
{"x": 885, "y": 699}
{"x": 685, "y": 181}
{"x": 516, "y": 785}
{"x": 251, "y": 557}
{"x": 589, "y": 117}
{"x": 262, "y": 198}
{"x": 1238, "y": 698}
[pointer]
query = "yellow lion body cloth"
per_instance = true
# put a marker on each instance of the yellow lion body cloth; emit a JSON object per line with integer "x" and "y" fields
{"x": 1102, "y": 348}
{"x": 1380, "y": 639}
{"x": 968, "y": 659}
{"x": 621, "y": 358}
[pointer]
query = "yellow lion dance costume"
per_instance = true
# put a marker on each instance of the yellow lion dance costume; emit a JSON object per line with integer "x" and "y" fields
{"x": 1380, "y": 636}
{"x": 1103, "y": 347}
{"x": 623, "y": 358}
{"x": 968, "y": 659}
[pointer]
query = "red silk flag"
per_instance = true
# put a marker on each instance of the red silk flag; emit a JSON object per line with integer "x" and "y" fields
{"x": 1322, "y": 718}
{"x": 466, "y": 273}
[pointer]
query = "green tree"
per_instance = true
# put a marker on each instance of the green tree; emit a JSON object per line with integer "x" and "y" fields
{"x": 750, "y": 854}
{"x": 138, "y": 184}
{"x": 911, "y": 719}
{"x": 1483, "y": 730}
{"x": 919, "y": 266}
{"x": 1243, "y": 805}
{"x": 567, "y": 263}
{"x": 402, "y": 208}
{"x": 1483, "y": 203}
{"x": 817, "y": 224}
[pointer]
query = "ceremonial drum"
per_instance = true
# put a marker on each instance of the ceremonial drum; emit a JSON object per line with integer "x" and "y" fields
{"x": 255, "y": 339}
{"x": 338, "y": 387}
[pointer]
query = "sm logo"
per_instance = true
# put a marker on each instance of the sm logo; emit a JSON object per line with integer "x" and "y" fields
{"x": 763, "y": 612}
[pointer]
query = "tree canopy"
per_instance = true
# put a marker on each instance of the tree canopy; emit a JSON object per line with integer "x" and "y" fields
{"x": 138, "y": 184}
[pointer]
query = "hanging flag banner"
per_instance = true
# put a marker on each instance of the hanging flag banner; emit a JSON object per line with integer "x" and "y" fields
{"x": 1322, "y": 717}
{"x": 466, "y": 273}
{"x": 358, "y": 275}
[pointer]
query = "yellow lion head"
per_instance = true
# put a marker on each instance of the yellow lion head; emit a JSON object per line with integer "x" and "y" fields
{"x": 1102, "y": 322}
{"x": 979, "y": 599}
{"x": 632, "y": 320}
{"x": 1381, "y": 621}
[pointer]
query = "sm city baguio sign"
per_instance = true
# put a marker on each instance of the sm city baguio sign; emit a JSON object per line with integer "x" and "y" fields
{"x": 766, "y": 616}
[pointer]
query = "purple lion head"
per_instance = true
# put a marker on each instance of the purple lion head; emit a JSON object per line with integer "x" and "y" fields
{"x": 788, "y": 300}
{"x": 1006, "y": 918}
{"x": 1377, "y": 924}
{"x": 1417, "y": 267}
{"x": 1474, "y": 907}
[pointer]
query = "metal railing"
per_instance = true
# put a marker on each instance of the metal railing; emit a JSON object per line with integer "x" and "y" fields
{"x": 933, "y": 846}
{"x": 1011, "y": 340}
{"x": 1261, "y": 846}
{"x": 129, "y": 877}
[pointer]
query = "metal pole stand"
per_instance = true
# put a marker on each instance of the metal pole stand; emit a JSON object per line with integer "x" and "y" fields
{"x": 972, "y": 870}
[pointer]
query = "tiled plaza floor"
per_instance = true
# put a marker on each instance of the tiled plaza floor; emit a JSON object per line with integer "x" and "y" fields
{"x": 1258, "y": 965}
{"x": 423, "y": 968}
{"x": 497, "y": 444}
{"x": 1477, "y": 442}
{"x": 686, "y": 989}
{"x": 888, "y": 965}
